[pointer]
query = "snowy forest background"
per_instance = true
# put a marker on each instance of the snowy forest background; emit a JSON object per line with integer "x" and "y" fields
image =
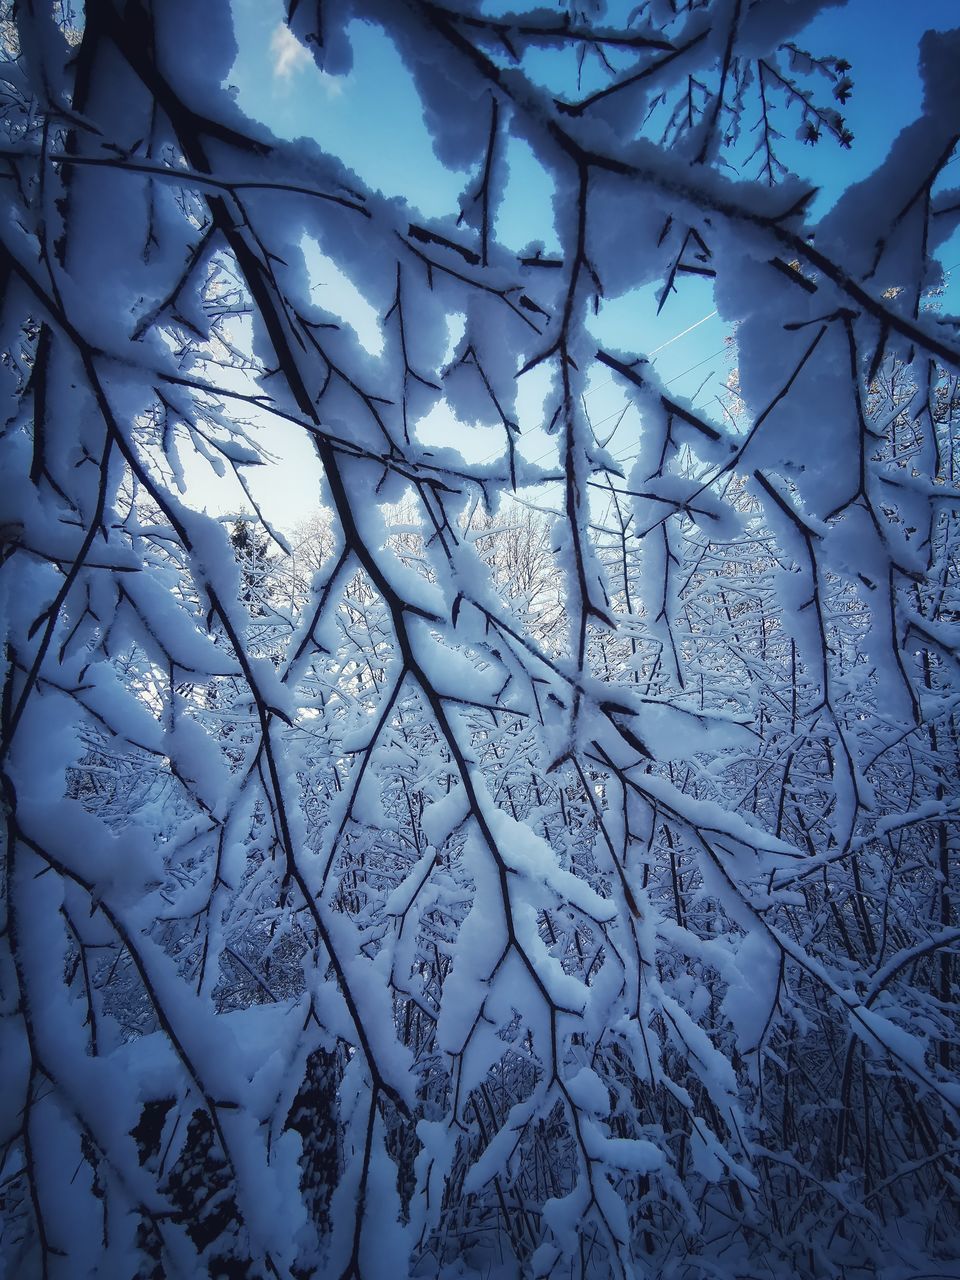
{"x": 538, "y": 864}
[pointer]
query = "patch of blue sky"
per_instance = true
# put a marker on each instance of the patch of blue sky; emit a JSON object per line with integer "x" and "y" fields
{"x": 372, "y": 119}
{"x": 881, "y": 39}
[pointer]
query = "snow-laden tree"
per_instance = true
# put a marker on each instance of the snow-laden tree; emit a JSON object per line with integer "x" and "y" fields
{"x": 500, "y": 897}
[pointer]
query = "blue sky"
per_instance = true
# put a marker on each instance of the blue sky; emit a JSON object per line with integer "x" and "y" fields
{"x": 372, "y": 118}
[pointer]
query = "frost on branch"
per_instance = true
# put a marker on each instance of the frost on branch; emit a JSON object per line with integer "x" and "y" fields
{"x": 522, "y": 870}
